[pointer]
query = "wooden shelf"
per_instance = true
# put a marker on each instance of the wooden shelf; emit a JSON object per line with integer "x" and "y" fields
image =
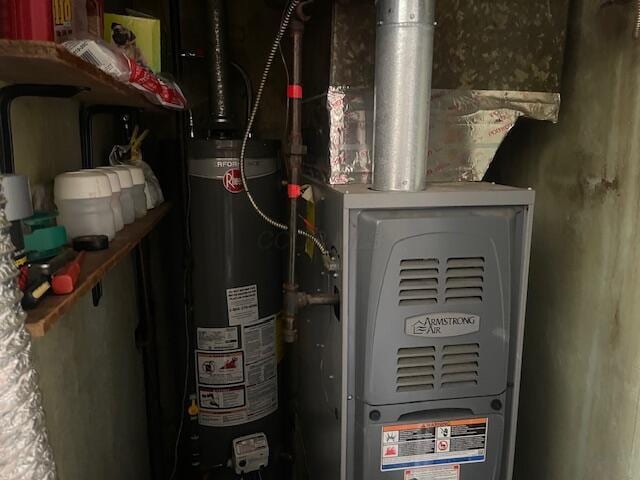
{"x": 31, "y": 62}
{"x": 95, "y": 266}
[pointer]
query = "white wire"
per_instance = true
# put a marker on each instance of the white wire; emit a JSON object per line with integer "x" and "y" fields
{"x": 286, "y": 19}
{"x": 187, "y": 340}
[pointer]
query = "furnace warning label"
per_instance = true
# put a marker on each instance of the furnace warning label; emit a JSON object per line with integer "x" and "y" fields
{"x": 445, "y": 472}
{"x": 436, "y": 443}
{"x": 218, "y": 339}
{"x": 242, "y": 305}
{"x": 220, "y": 368}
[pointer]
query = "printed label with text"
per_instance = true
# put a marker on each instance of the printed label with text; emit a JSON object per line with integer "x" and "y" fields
{"x": 433, "y": 443}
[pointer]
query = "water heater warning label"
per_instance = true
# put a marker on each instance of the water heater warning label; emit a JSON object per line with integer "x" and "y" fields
{"x": 240, "y": 386}
{"x": 218, "y": 339}
{"x": 220, "y": 368}
{"x": 436, "y": 443}
{"x": 242, "y": 305}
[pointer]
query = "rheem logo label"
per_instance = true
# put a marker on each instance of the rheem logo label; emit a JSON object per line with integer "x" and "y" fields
{"x": 232, "y": 180}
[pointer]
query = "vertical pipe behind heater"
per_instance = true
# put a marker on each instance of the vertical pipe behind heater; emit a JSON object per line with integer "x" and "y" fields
{"x": 404, "y": 59}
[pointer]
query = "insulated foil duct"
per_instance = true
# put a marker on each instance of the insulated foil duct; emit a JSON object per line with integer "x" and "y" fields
{"x": 466, "y": 129}
{"x": 25, "y": 453}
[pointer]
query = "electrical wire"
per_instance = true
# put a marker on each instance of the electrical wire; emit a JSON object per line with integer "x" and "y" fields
{"x": 286, "y": 72}
{"x": 284, "y": 24}
{"x": 186, "y": 329}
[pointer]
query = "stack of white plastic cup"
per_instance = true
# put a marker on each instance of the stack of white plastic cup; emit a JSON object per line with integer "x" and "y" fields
{"x": 116, "y": 190}
{"x": 126, "y": 193}
{"x": 84, "y": 203}
{"x": 139, "y": 197}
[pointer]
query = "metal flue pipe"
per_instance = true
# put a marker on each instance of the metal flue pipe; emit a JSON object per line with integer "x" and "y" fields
{"x": 404, "y": 59}
{"x": 218, "y": 63}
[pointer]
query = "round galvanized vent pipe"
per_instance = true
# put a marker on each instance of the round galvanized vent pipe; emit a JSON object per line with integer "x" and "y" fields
{"x": 404, "y": 59}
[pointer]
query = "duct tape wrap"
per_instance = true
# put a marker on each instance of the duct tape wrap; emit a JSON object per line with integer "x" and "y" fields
{"x": 25, "y": 453}
{"x": 466, "y": 129}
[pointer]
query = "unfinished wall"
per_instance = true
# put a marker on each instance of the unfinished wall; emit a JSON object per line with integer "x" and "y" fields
{"x": 91, "y": 374}
{"x": 92, "y": 384}
{"x": 581, "y": 389}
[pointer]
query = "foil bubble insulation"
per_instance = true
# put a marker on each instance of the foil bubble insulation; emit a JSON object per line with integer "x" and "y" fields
{"x": 466, "y": 129}
{"x": 25, "y": 453}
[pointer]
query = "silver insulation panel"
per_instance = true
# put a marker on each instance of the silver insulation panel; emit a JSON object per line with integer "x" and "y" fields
{"x": 25, "y": 453}
{"x": 466, "y": 129}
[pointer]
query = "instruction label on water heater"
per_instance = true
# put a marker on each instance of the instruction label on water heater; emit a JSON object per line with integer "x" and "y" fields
{"x": 249, "y": 376}
{"x": 218, "y": 339}
{"x": 435, "y": 443}
{"x": 446, "y": 472}
{"x": 242, "y": 305}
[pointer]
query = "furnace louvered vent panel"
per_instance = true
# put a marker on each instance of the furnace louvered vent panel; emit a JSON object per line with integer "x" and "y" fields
{"x": 460, "y": 366}
{"x": 418, "y": 281}
{"x": 464, "y": 281}
{"x": 415, "y": 369}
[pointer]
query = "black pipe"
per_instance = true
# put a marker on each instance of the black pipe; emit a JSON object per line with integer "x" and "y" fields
{"x": 87, "y": 112}
{"x": 145, "y": 336}
{"x": 219, "y": 95}
{"x": 248, "y": 89}
{"x": 182, "y": 122}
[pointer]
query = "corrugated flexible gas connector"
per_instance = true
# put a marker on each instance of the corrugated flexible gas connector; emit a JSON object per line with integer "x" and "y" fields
{"x": 25, "y": 453}
{"x": 636, "y": 30}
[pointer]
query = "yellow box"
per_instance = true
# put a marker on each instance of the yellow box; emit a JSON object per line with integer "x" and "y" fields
{"x": 145, "y": 42}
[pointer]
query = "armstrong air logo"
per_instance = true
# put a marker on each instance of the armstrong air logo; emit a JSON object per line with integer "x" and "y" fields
{"x": 438, "y": 325}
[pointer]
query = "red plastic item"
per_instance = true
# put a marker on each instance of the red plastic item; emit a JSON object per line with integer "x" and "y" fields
{"x": 65, "y": 281}
{"x": 26, "y": 20}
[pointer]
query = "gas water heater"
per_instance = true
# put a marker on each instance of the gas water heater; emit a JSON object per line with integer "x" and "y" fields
{"x": 237, "y": 283}
{"x": 236, "y": 298}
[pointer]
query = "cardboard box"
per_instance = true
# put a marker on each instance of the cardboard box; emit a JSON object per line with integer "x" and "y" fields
{"x": 138, "y": 37}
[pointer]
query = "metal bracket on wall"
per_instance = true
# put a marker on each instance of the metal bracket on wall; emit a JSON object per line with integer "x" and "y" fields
{"x": 7, "y": 95}
{"x": 128, "y": 116}
{"x": 96, "y": 294}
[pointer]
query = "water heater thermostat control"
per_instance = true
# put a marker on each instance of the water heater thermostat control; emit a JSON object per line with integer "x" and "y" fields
{"x": 250, "y": 453}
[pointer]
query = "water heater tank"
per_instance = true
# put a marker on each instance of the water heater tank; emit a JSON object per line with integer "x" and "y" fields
{"x": 237, "y": 289}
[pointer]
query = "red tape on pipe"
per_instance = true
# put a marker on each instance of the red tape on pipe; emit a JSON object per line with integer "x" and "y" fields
{"x": 294, "y": 190}
{"x": 294, "y": 91}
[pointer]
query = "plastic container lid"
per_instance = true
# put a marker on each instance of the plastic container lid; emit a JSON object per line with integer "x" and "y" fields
{"x": 113, "y": 179}
{"x": 137, "y": 174}
{"x": 124, "y": 175}
{"x": 84, "y": 184}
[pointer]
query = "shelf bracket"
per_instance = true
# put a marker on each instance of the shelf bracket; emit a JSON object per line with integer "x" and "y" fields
{"x": 7, "y": 95}
{"x": 96, "y": 294}
{"x": 128, "y": 115}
